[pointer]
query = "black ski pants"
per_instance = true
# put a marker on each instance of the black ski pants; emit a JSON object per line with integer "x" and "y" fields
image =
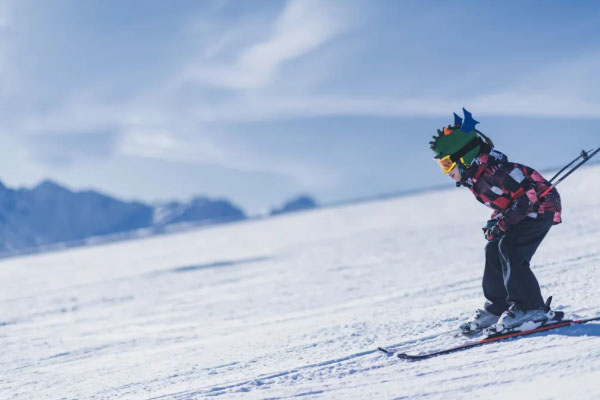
{"x": 507, "y": 277}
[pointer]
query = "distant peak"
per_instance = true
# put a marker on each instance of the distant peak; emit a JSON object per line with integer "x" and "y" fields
{"x": 47, "y": 184}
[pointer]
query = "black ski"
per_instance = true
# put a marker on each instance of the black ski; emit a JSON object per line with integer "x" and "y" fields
{"x": 489, "y": 339}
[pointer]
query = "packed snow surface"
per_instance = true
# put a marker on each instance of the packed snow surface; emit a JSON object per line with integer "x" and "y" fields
{"x": 295, "y": 307}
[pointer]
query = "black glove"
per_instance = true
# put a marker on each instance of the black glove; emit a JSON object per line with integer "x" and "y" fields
{"x": 494, "y": 233}
{"x": 490, "y": 223}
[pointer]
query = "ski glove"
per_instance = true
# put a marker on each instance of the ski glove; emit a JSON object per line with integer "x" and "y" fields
{"x": 490, "y": 223}
{"x": 494, "y": 233}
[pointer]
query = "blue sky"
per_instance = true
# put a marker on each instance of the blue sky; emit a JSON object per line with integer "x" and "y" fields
{"x": 257, "y": 101}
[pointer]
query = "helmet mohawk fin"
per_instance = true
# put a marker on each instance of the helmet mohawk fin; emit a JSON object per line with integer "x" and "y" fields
{"x": 457, "y": 120}
{"x": 469, "y": 123}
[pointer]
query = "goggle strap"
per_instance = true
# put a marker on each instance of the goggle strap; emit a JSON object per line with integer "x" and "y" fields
{"x": 456, "y": 157}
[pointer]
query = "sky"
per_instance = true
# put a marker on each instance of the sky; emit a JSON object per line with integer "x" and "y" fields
{"x": 258, "y": 101}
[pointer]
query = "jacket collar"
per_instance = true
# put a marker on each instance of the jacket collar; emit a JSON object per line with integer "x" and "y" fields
{"x": 480, "y": 164}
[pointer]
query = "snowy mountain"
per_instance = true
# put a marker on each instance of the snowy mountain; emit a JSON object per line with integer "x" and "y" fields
{"x": 50, "y": 213}
{"x": 199, "y": 209}
{"x": 295, "y": 307}
{"x": 298, "y": 203}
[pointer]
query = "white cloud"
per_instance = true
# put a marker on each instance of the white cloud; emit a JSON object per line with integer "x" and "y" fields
{"x": 179, "y": 118}
{"x": 564, "y": 89}
{"x": 5, "y": 7}
{"x": 205, "y": 149}
{"x": 150, "y": 142}
{"x": 7, "y": 73}
{"x": 303, "y": 26}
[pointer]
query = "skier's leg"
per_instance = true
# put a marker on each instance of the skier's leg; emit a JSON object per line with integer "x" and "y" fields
{"x": 516, "y": 249}
{"x": 493, "y": 280}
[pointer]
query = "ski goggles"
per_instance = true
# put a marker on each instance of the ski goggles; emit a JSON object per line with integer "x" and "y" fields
{"x": 446, "y": 163}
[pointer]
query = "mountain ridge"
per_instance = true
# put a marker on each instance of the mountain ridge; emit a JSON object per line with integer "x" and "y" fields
{"x": 50, "y": 213}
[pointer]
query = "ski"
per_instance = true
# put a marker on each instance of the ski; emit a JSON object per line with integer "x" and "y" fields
{"x": 489, "y": 339}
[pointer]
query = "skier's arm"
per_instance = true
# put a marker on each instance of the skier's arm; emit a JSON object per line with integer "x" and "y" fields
{"x": 495, "y": 215}
{"x": 521, "y": 190}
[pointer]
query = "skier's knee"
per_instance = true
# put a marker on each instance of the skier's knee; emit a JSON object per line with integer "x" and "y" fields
{"x": 491, "y": 247}
{"x": 504, "y": 245}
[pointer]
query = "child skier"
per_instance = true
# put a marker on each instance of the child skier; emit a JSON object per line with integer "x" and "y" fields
{"x": 518, "y": 225}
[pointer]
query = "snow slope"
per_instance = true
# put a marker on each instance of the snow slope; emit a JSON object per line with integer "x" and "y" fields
{"x": 295, "y": 306}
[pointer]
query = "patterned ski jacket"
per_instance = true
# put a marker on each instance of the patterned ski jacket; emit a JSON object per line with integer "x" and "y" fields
{"x": 510, "y": 189}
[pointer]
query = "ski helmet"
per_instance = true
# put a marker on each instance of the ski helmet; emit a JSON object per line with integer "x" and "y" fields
{"x": 460, "y": 143}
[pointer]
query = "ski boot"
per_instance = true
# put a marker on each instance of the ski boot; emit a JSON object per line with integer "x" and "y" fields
{"x": 483, "y": 319}
{"x": 516, "y": 320}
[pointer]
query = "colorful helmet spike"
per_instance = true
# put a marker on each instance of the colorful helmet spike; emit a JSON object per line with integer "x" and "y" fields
{"x": 457, "y": 120}
{"x": 469, "y": 124}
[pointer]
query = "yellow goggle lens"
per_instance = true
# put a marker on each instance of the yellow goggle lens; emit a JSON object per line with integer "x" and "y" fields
{"x": 447, "y": 164}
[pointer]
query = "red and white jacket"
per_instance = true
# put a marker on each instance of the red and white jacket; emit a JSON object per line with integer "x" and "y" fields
{"x": 511, "y": 189}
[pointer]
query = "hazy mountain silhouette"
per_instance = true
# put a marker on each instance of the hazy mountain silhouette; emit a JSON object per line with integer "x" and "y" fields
{"x": 50, "y": 213}
{"x": 298, "y": 203}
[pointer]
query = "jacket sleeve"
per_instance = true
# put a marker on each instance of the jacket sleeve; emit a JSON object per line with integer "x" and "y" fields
{"x": 518, "y": 186}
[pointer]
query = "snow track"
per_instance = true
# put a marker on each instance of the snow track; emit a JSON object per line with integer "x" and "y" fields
{"x": 295, "y": 307}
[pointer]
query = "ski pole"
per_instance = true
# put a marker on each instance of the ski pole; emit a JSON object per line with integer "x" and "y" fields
{"x": 585, "y": 156}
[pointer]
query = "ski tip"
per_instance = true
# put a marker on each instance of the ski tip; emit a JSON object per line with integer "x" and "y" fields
{"x": 386, "y": 351}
